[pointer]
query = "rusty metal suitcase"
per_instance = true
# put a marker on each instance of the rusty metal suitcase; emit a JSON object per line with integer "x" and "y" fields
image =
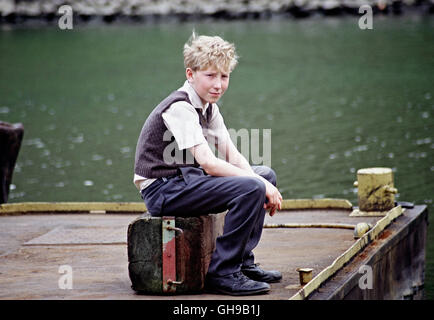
{"x": 171, "y": 255}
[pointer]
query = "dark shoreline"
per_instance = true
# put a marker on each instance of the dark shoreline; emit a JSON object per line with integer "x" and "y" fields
{"x": 396, "y": 9}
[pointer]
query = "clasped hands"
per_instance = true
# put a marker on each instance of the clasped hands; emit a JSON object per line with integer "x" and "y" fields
{"x": 274, "y": 198}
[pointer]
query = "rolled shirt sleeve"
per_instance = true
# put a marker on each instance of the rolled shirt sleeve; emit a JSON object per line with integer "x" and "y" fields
{"x": 182, "y": 121}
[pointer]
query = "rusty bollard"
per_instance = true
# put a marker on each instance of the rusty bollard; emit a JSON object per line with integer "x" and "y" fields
{"x": 11, "y": 136}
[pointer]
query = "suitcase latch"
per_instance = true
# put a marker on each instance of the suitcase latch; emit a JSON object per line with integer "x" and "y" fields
{"x": 169, "y": 254}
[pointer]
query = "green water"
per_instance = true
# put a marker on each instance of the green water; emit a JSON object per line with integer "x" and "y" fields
{"x": 336, "y": 98}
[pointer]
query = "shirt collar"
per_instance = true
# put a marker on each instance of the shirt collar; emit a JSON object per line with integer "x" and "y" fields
{"x": 194, "y": 97}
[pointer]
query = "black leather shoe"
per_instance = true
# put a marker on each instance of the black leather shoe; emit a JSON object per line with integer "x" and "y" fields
{"x": 235, "y": 284}
{"x": 257, "y": 274}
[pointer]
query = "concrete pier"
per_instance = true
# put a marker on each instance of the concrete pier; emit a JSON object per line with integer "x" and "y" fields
{"x": 397, "y": 261}
{"x": 34, "y": 246}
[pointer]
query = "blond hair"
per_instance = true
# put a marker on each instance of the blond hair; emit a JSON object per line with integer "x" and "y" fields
{"x": 201, "y": 52}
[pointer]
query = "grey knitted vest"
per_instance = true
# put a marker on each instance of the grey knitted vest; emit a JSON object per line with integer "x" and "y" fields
{"x": 149, "y": 159}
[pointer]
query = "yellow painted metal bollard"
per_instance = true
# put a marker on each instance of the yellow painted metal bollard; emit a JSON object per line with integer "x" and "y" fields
{"x": 305, "y": 275}
{"x": 376, "y": 191}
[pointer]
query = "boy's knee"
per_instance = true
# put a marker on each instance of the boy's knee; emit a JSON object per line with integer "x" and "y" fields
{"x": 256, "y": 186}
{"x": 250, "y": 185}
{"x": 271, "y": 176}
{"x": 267, "y": 173}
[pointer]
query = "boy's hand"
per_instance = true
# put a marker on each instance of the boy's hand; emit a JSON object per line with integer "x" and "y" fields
{"x": 274, "y": 198}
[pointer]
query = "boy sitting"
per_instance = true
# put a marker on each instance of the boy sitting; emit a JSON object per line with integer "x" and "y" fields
{"x": 195, "y": 181}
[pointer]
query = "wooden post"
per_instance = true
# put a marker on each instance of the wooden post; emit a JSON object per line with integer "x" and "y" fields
{"x": 11, "y": 136}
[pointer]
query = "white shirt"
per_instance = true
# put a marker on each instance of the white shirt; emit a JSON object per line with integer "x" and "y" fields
{"x": 182, "y": 120}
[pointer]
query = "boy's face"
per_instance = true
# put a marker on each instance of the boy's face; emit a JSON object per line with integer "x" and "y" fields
{"x": 210, "y": 83}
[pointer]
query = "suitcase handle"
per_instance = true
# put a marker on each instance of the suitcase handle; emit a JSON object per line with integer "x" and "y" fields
{"x": 174, "y": 228}
{"x": 171, "y": 282}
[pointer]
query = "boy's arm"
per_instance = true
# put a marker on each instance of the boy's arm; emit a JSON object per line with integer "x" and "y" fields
{"x": 218, "y": 167}
{"x": 232, "y": 155}
{"x": 215, "y": 166}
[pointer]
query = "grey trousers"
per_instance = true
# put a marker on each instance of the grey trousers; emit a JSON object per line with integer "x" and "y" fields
{"x": 192, "y": 192}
